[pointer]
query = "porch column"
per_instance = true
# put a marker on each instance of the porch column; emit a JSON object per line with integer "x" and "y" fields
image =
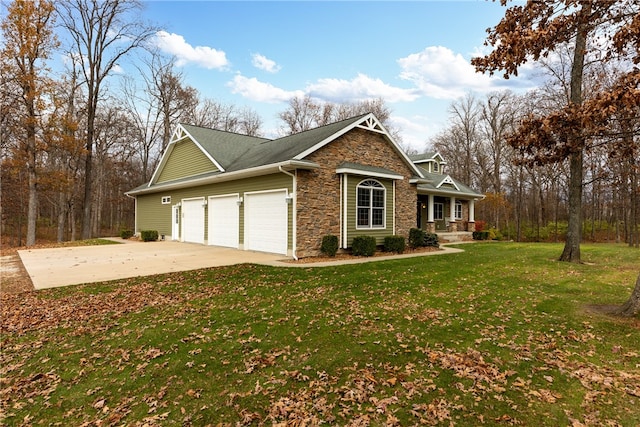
{"x": 452, "y": 215}
{"x": 431, "y": 227}
{"x": 472, "y": 219}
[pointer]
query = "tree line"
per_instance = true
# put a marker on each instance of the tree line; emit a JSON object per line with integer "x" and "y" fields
{"x": 529, "y": 201}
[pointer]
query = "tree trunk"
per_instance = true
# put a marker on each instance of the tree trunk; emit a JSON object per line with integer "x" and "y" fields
{"x": 571, "y": 252}
{"x": 632, "y": 306}
{"x": 32, "y": 179}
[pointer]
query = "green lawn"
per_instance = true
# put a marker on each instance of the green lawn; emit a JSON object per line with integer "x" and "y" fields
{"x": 497, "y": 335}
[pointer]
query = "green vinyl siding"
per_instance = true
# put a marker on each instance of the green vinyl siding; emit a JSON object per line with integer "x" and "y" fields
{"x": 185, "y": 160}
{"x": 153, "y": 215}
{"x": 378, "y": 233}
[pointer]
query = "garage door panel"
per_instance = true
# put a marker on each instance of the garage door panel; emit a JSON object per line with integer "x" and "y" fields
{"x": 193, "y": 220}
{"x": 266, "y": 222}
{"x": 224, "y": 224}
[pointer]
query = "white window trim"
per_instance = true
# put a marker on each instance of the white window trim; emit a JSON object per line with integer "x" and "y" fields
{"x": 370, "y": 207}
{"x": 166, "y": 200}
{"x": 458, "y": 206}
{"x": 435, "y": 211}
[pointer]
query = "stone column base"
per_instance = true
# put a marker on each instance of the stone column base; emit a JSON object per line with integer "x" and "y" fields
{"x": 471, "y": 226}
{"x": 453, "y": 226}
{"x": 431, "y": 227}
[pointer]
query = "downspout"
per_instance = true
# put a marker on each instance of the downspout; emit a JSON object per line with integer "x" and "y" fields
{"x": 135, "y": 212}
{"x": 293, "y": 208}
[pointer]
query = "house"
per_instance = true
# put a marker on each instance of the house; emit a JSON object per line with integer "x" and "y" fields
{"x": 283, "y": 195}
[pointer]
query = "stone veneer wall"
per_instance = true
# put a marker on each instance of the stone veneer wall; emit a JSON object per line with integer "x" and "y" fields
{"x": 318, "y": 191}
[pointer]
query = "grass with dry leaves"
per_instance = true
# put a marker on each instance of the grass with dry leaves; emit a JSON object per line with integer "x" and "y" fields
{"x": 497, "y": 335}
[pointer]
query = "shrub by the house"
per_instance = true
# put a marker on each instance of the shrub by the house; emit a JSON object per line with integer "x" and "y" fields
{"x": 394, "y": 244}
{"x": 480, "y": 235}
{"x": 126, "y": 233}
{"x": 363, "y": 246}
{"x": 431, "y": 240}
{"x": 149, "y": 235}
{"x": 329, "y": 245}
{"x": 416, "y": 237}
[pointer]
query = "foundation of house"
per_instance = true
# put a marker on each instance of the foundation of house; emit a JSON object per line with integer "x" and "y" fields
{"x": 455, "y": 236}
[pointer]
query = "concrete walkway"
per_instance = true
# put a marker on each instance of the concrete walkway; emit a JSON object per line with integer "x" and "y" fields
{"x": 49, "y": 268}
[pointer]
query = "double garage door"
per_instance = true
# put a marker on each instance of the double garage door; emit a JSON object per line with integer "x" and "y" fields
{"x": 265, "y": 221}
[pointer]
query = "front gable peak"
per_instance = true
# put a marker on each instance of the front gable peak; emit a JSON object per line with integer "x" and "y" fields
{"x": 448, "y": 182}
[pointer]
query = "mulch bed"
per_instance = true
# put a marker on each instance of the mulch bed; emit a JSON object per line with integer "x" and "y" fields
{"x": 347, "y": 256}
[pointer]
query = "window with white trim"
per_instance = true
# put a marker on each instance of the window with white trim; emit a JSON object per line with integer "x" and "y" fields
{"x": 438, "y": 211}
{"x": 370, "y": 204}
{"x": 458, "y": 210}
{"x": 166, "y": 200}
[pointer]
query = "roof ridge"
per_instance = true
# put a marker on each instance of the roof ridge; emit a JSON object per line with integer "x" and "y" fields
{"x": 323, "y": 126}
{"x": 224, "y": 131}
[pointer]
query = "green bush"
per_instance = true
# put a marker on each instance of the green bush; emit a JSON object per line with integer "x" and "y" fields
{"x": 126, "y": 233}
{"x": 394, "y": 244}
{"x": 416, "y": 237}
{"x": 495, "y": 234}
{"x": 363, "y": 246}
{"x": 480, "y": 235}
{"x": 149, "y": 235}
{"x": 329, "y": 245}
{"x": 431, "y": 239}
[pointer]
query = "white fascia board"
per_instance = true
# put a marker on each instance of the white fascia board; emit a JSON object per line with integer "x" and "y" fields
{"x": 229, "y": 176}
{"x": 352, "y": 171}
{"x": 448, "y": 180}
{"x": 214, "y": 161}
{"x": 179, "y": 134}
{"x": 456, "y": 194}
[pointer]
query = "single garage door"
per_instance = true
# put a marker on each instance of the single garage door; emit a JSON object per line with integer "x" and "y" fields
{"x": 265, "y": 223}
{"x": 193, "y": 220}
{"x": 224, "y": 223}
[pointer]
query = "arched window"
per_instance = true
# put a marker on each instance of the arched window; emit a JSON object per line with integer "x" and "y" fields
{"x": 370, "y": 204}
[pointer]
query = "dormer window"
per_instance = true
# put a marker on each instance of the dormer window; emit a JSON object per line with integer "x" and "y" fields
{"x": 436, "y": 167}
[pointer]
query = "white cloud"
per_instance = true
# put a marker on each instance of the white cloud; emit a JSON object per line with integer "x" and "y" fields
{"x": 204, "y": 56}
{"x": 415, "y": 130}
{"x": 360, "y": 88}
{"x": 263, "y": 63}
{"x": 440, "y": 73}
{"x": 256, "y": 90}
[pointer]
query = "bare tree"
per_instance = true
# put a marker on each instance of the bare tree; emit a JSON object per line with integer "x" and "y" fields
{"x": 306, "y": 113}
{"x": 102, "y": 33}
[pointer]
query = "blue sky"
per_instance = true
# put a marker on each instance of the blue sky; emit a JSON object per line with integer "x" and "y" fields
{"x": 413, "y": 54}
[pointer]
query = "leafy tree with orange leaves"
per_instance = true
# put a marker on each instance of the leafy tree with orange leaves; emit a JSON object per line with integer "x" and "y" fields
{"x": 28, "y": 41}
{"x": 606, "y": 31}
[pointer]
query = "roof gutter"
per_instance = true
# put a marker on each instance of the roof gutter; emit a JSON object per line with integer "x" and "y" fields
{"x": 226, "y": 176}
{"x": 293, "y": 211}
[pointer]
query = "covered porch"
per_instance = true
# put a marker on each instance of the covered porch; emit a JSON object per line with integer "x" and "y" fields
{"x": 445, "y": 214}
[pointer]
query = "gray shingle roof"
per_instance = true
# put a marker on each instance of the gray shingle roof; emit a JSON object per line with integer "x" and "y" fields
{"x": 435, "y": 179}
{"x": 287, "y": 148}
{"x": 422, "y": 157}
{"x": 225, "y": 147}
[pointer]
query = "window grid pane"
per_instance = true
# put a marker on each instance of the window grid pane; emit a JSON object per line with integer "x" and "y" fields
{"x": 363, "y": 217}
{"x": 377, "y": 217}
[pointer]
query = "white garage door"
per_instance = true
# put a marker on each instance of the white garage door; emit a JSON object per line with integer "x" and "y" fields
{"x": 265, "y": 223}
{"x": 224, "y": 223}
{"x": 193, "y": 220}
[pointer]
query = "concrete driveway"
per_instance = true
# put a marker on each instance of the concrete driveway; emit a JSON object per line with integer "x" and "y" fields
{"x": 49, "y": 268}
